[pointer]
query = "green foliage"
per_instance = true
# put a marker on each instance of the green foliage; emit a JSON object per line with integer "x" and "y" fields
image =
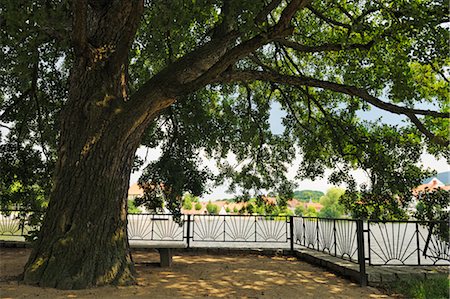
{"x": 212, "y": 208}
{"x": 433, "y": 205}
{"x": 188, "y": 199}
{"x": 227, "y": 209}
{"x": 285, "y": 193}
{"x": 24, "y": 178}
{"x": 376, "y": 46}
{"x": 187, "y": 204}
{"x": 300, "y": 210}
{"x": 390, "y": 163}
{"x": 307, "y": 195}
{"x": 132, "y": 209}
{"x": 311, "y": 212}
{"x": 331, "y": 206}
{"x": 370, "y": 205}
{"x": 415, "y": 288}
{"x": 198, "y": 206}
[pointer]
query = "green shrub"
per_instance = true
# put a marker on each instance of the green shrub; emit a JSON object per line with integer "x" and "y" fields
{"x": 187, "y": 204}
{"x": 198, "y": 206}
{"x": 299, "y": 210}
{"x": 132, "y": 207}
{"x": 212, "y": 208}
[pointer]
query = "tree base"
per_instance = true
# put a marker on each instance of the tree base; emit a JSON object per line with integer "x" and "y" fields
{"x": 47, "y": 272}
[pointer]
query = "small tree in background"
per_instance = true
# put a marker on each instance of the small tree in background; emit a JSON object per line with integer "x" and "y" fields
{"x": 310, "y": 212}
{"x": 331, "y": 206}
{"x": 212, "y": 208}
{"x": 187, "y": 203}
{"x": 299, "y": 210}
{"x": 198, "y": 206}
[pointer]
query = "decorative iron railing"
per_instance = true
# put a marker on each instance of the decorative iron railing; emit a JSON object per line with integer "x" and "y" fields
{"x": 154, "y": 227}
{"x": 373, "y": 242}
{"x": 18, "y": 224}
{"x": 406, "y": 243}
{"x": 240, "y": 228}
{"x": 336, "y": 237}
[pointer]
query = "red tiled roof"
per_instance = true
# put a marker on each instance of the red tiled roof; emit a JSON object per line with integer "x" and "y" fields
{"x": 434, "y": 184}
{"x": 135, "y": 190}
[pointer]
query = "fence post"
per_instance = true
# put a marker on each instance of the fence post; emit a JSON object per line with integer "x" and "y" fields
{"x": 188, "y": 230}
{"x": 334, "y": 236}
{"x": 291, "y": 231}
{"x": 317, "y": 234}
{"x": 361, "y": 253}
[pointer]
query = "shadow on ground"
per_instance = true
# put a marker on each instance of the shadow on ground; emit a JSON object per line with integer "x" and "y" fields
{"x": 198, "y": 276}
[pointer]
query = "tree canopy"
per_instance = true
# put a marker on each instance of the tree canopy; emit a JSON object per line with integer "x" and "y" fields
{"x": 83, "y": 83}
{"x": 323, "y": 63}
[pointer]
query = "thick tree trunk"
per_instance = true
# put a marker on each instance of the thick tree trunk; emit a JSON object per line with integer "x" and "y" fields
{"x": 83, "y": 240}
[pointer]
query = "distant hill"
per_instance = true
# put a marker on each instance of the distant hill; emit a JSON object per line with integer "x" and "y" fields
{"x": 306, "y": 195}
{"x": 444, "y": 177}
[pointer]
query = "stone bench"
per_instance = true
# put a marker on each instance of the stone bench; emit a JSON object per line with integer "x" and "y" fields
{"x": 165, "y": 250}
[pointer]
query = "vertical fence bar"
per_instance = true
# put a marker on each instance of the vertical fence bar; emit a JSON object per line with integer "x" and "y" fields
{"x": 361, "y": 253}
{"x": 152, "y": 219}
{"x": 188, "y": 231}
{"x": 317, "y": 234}
{"x": 304, "y": 233}
{"x": 193, "y": 227}
{"x": 368, "y": 242}
{"x": 334, "y": 236}
{"x": 418, "y": 244}
{"x": 255, "y": 229}
{"x": 291, "y": 230}
{"x": 224, "y": 228}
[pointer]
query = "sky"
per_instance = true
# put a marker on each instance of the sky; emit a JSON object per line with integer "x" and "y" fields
{"x": 321, "y": 184}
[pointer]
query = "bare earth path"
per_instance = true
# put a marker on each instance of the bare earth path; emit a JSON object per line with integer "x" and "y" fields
{"x": 199, "y": 276}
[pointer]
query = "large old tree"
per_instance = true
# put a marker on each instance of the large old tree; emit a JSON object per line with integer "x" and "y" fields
{"x": 99, "y": 78}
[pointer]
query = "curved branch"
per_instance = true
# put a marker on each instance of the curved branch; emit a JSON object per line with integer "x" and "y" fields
{"x": 325, "y": 47}
{"x": 426, "y": 132}
{"x": 244, "y": 76}
{"x": 326, "y": 19}
{"x": 262, "y": 15}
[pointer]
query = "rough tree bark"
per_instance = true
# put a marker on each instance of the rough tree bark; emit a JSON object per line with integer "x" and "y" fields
{"x": 83, "y": 240}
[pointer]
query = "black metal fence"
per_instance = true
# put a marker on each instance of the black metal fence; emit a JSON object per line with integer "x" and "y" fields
{"x": 377, "y": 243}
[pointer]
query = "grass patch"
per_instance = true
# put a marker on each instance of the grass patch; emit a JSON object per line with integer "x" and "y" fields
{"x": 415, "y": 288}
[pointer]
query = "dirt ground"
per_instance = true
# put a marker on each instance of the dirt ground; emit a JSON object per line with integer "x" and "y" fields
{"x": 197, "y": 276}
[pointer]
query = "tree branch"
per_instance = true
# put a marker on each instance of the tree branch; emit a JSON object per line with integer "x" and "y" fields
{"x": 79, "y": 29}
{"x": 323, "y": 48}
{"x": 245, "y": 76}
{"x": 289, "y": 12}
{"x": 262, "y": 15}
{"x": 426, "y": 132}
{"x": 326, "y": 19}
{"x": 279, "y": 30}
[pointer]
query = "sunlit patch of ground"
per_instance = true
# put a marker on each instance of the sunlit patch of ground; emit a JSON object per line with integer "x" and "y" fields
{"x": 198, "y": 276}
